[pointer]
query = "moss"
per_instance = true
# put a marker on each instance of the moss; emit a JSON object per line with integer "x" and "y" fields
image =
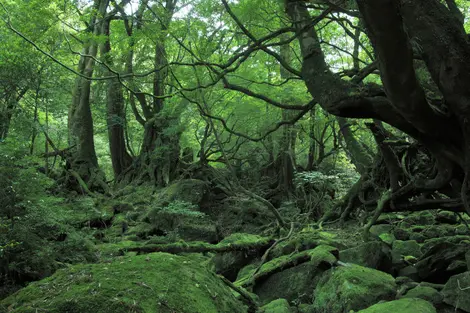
{"x": 277, "y": 306}
{"x": 425, "y": 293}
{"x": 306, "y": 240}
{"x": 408, "y": 305}
{"x": 242, "y": 239}
{"x": 157, "y": 282}
{"x": 352, "y": 287}
{"x": 291, "y": 277}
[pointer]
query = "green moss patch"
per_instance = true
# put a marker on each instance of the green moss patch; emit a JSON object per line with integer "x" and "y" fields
{"x": 157, "y": 282}
{"x": 352, "y": 287}
{"x": 409, "y": 305}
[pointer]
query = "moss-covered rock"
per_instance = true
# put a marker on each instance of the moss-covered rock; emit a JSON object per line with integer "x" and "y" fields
{"x": 373, "y": 254}
{"x": 402, "y": 249}
{"x": 426, "y": 293}
{"x": 277, "y": 306}
{"x": 157, "y": 282}
{"x": 456, "y": 291}
{"x": 291, "y": 277}
{"x": 352, "y": 287}
{"x": 408, "y": 305}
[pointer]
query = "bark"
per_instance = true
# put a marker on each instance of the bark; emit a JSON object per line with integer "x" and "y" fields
{"x": 286, "y": 155}
{"x": 116, "y": 118}
{"x": 159, "y": 154}
{"x": 360, "y": 157}
{"x": 83, "y": 161}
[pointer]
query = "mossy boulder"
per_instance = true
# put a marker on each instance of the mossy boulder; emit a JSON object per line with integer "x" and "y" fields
{"x": 402, "y": 249}
{"x": 277, "y": 306}
{"x": 456, "y": 291}
{"x": 292, "y": 277}
{"x": 230, "y": 263}
{"x": 352, "y": 287}
{"x": 373, "y": 254}
{"x": 157, "y": 282}
{"x": 426, "y": 293}
{"x": 408, "y": 305}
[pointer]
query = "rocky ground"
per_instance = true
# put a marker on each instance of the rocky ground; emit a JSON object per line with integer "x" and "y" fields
{"x": 176, "y": 252}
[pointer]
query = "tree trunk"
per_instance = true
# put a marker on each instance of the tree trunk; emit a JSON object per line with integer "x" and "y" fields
{"x": 361, "y": 159}
{"x": 116, "y": 118}
{"x": 83, "y": 160}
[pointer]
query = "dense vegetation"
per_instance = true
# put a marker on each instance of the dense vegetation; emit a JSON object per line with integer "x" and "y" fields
{"x": 234, "y": 156}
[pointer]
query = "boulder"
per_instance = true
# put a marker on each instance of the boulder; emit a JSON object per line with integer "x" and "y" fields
{"x": 406, "y": 305}
{"x": 402, "y": 249}
{"x": 373, "y": 254}
{"x": 157, "y": 282}
{"x": 426, "y": 293}
{"x": 456, "y": 291}
{"x": 447, "y": 217}
{"x": 277, "y": 306}
{"x": 295, "y": 283}
{"x": 352, "y": 287}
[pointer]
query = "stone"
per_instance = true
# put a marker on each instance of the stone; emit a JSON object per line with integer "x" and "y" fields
{"x": 456, "y": 291}
{"x": 155, "y": 282}
{"x": 426, "y": 293}
{"x": 351, "y": 287}
{"x": 401, "y": 249}
{"x": 406, "y": 305}
{"x": 295, "y": 283}
{"x": 277, "y": 306}
{"x": 446, "y": 217}
{"x": 373, "y": 254}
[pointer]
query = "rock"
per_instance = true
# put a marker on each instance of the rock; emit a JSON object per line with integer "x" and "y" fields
{"x": 401, "y": 234}
{"x": 420, "y": 238}
{"x": 230, "y": 263}
{"x": 435, "y": 264}
{"x": 401, "y": 249}
{"x": 419, "y": 218}
{"x": 351, "y": 287}
{"x": 406, "y": 305}
{"x": 156, "y": 282}
{"x": 462, "y": 230}
{"x": 409, "y": 271}
{"x": 277, "y": 306}
{"x": 295, "y": 283}
{"x": 446, "y": 217}
{"x": 456, "y": 291}
{"x": 388, "y": 238}
{"x": 373, "y": 254}
{"x": 426, "y": 293}
{"x": 380, "y": 229}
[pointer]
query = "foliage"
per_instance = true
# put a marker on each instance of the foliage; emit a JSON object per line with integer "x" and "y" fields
{"x": 34, "y": 237}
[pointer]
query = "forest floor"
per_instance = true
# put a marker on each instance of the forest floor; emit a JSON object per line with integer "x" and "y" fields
{"x": 180, "y": 250}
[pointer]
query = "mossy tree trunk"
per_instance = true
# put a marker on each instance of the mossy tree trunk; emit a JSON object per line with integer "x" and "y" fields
{"x": 82, "y": 160}
{"x": 159, "y": 153}
{"x": 116, "y": 119}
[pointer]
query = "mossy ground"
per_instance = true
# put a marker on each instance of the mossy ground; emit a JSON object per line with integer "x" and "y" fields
{"x": 156, "y": 282}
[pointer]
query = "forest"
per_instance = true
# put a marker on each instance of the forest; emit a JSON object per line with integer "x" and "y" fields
{"x": 235, "y": 156}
